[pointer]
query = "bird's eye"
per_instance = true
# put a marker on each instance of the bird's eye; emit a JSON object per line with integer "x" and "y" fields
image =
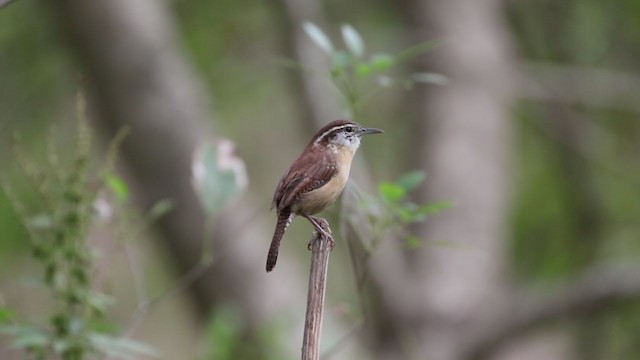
{"x": 349, "y": 129}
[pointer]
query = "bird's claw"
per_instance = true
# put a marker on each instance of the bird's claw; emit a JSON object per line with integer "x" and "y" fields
{"x": 322, "y": 231}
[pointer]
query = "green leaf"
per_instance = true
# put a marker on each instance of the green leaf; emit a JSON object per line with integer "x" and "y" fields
{"x": 99, "y": 302}
{"x": 60, "y": 345}
{"x": 381, "y": 62}
{"x": 40, "y": 222}
{"x": 411, "y": 180}
{"x": 391, "y": 192}
{"x": 407, "y": 213}
{"x": 434, "y": 208}
{"x": 118, "y": 187}
{"x": 429, "y": 78}
{"x": 26, "y": 336}
{"x": 5, "y": 315}
{"x": 353, "y": 40}
{"x": 218, "y": 175}
{"x": 224, "y": 332}
{"x": 413, "y": 242}
{"x": 76, "y": 325}
{"x": 318, "y": 37}
{"x": 363, "y": 69}
{"x": 385, "y": 81}
{"x": 103, "y": 327}
{"x": 124, "y": 348}
{"x": 341, "y": 60}
{"x": 410, "y": 213}
{"x": 160, "y": 208}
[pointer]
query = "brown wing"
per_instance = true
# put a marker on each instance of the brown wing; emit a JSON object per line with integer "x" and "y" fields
{"x": 310, "y": 171}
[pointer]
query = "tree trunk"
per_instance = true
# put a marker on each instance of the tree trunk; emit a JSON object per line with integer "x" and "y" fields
{"x": 461, "y": 139}
{"x": 139, "y": 78}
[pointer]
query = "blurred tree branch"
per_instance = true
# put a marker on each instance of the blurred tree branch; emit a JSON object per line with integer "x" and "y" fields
{"x": 580, "y": 85}
{"x": 595, "y": 290}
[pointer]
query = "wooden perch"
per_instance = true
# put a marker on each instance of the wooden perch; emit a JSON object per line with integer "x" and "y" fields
{"x": 321, "y": 246}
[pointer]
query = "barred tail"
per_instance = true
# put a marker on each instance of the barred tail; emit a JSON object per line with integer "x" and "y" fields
{"x": 284, "y": 218}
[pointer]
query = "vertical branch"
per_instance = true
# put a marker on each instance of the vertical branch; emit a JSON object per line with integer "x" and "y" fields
{"x": 320, "y": 249}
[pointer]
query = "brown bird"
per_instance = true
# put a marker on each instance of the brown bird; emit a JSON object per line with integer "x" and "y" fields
{"x": 316, "y": 179}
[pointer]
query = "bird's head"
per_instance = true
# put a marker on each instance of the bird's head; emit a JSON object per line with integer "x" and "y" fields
{"x": 342, "y": 133}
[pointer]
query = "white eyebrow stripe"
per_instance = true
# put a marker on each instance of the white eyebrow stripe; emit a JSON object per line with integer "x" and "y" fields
{"x": 330, "y": 131}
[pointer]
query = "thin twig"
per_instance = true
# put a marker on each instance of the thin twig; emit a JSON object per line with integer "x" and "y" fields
{"x": 320, "y": 249}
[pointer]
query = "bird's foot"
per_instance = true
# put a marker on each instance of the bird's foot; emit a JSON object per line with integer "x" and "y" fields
{"x": 322, "y": 230}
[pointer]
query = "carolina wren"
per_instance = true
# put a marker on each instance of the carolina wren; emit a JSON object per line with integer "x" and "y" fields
{"x": 316, "y": 179}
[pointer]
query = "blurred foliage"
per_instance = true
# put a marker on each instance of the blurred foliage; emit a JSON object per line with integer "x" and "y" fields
{"x": 576, "y": 190}
{"x": 401, "y": 211}
{"x": 359, "y": 78}
{"x": 225, "y": 338}
{"x": 58, "y": 232}
{"x": 30, "y": 57}
{"x": 218, "y": 175}
{"x": 224, "y": 333}
{"x": 37, "y": 82}
{"x": 577, "y": 171}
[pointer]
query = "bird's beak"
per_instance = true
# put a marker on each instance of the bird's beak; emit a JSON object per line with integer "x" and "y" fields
{"x": 367, "y": 131}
